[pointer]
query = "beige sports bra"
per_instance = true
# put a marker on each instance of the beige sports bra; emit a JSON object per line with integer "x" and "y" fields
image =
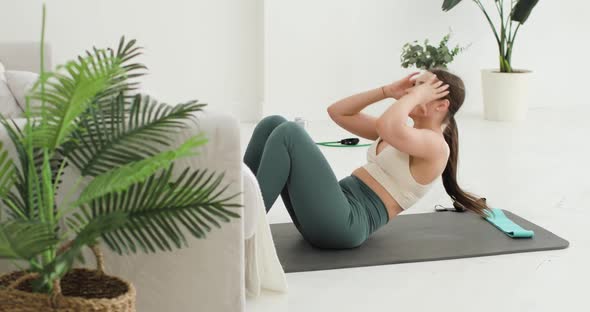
{"x": 391, "y": 168}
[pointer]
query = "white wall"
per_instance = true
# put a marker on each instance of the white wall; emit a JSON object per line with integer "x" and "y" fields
{"x": 300, "y": 56}
{"x": 320, "y": 51}
{"x": 210, "y": 50}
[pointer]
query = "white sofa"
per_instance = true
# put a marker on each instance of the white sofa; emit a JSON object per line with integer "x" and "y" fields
{"x": 212, "y": 273}
{"x": 209, "y": 275}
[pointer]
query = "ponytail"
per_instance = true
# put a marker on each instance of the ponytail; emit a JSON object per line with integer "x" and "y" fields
{"x": 461, "y": 199}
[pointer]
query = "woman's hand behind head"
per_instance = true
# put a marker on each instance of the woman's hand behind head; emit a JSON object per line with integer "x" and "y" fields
{"x": 428, "y": 88}
{"x": 399, "y": 88}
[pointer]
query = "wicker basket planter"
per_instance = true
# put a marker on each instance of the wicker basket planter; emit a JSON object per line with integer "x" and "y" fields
{"x": 80, "y": 290}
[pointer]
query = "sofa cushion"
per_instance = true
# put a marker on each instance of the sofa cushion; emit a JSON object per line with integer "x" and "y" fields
{"x": 2, "y": 72}
{"x": 20, "y": 82}
{"x": 8, "y": 106}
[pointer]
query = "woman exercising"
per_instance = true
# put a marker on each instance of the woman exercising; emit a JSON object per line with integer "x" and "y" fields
{"x": 402, "y": 163}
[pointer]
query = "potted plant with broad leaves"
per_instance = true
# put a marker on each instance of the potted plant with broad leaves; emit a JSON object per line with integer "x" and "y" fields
{"x": 427, "y": 56}
{"x": 505, "y": 90}
{"x": 127, "y": 194}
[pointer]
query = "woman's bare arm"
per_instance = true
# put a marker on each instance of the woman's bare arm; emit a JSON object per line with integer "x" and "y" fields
{"x": 393, "y": 128}
{"x": 347, "y": 113}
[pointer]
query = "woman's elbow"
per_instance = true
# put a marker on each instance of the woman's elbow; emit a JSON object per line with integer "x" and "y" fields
{"x": 331, "y": 112}
{"x": 390, "y": 129}
{"x": 382, "y": 126}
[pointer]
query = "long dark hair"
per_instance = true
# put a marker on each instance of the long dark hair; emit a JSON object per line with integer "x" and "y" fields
{"x": 461, "y": 200}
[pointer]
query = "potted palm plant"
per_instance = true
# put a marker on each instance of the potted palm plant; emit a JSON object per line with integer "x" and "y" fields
{"x": 505, "y": 90}
{"x": 127, "y": 195}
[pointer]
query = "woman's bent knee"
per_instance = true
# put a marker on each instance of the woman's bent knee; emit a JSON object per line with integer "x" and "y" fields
{"x": 290, "y": 127}
{"x": 273, "y": 119}
{"x": 269, "y": 123}
{"x": 290, "y": 133}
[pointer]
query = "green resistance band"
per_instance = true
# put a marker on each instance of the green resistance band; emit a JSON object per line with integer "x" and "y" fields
{"x": 352, "y": 142}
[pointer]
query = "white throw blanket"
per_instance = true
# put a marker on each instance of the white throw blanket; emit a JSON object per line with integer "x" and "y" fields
{"x": 263, "y": 269}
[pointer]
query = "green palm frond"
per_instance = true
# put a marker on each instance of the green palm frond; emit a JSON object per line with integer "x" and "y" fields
{"x": 25, "y": 240}
{"x": 92, "y": 228}
{"x": 16, "y": 137}
{"x": 67, "y": 94}
{"x": 119, "y": 179}
{"x": 119, "y": 136}
{"x": 87, "y": 236}
{"x": 90, "y": 231}
{"x": 15, "y": 198}
{"x": 450, "y": 4}
{"x": 514, "y": 11}
{"x": 162, "y": 208}
{"x": 7, "y": 172}
{"x": 122, "y": 81}
{"x": 522, "y": 10}
{"x": 8, "y": 175}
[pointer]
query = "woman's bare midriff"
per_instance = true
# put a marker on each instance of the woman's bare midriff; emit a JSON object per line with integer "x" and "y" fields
{"x": 393, "y": 208}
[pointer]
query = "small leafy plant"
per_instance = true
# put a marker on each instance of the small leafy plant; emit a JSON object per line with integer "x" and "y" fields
{"x": 428, "y": 56}
{"x": 119, "y": 145}
{"x": 512, "y": 14}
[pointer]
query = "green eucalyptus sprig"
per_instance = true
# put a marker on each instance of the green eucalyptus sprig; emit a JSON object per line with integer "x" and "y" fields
{"x": 426, "y": 56}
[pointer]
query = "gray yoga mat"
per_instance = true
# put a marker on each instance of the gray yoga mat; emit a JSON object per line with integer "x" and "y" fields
{"x": 414, "y": 238}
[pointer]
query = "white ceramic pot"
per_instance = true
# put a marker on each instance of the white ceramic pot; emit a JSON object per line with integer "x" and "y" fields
{"x": 505, "y": 95}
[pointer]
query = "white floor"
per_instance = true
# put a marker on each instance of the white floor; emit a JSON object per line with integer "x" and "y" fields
{"x": 538, "y": 169}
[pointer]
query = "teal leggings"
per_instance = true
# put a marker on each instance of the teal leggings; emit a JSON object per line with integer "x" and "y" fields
{"x": 328, "y": 213}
